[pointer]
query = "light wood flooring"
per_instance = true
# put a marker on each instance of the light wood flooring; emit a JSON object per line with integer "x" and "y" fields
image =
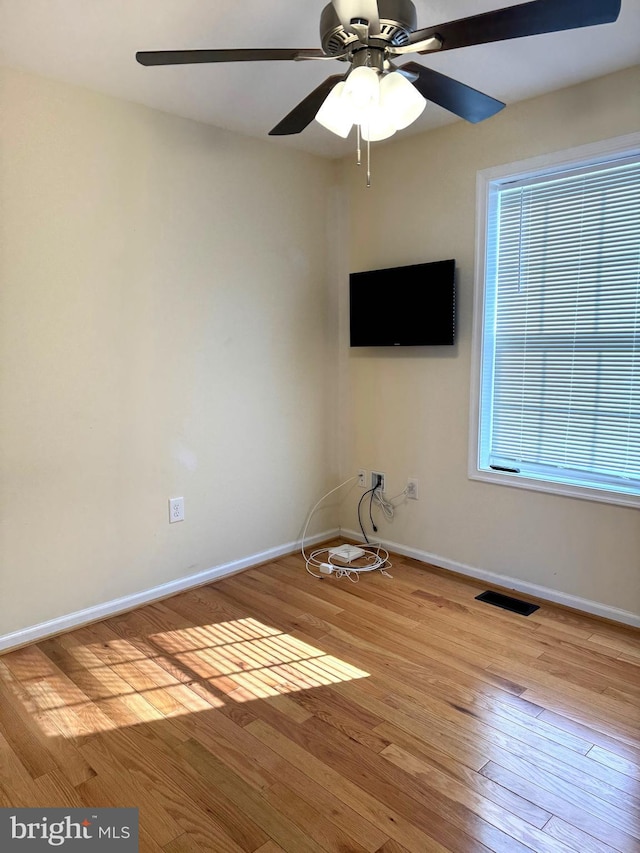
{"x": 274, "y": 712}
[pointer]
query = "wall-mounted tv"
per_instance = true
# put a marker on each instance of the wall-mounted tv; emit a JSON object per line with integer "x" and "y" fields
{"x": 403, "y": 306}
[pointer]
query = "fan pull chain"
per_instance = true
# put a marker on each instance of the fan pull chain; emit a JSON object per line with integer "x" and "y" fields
{"x": 359, "y": 154}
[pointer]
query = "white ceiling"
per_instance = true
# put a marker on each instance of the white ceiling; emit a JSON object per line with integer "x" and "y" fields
{"x": 93, "y": 42}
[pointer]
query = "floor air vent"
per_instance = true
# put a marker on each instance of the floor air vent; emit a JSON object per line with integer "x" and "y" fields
{"x": 508, "y": 603}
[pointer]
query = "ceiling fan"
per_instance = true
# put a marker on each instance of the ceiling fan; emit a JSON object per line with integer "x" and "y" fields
{"x": 378, "y": 96}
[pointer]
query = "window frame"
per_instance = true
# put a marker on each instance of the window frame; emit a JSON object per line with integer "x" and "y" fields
{"x": 548, "y": 165}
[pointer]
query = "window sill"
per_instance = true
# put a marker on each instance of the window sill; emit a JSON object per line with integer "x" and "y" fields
{"x": 522, "y": 481}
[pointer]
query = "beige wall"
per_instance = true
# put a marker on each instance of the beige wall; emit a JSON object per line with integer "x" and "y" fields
{"x": 164, "y": 331}
{"x": 167, "y": 327}
{"x": 410, "y": 409}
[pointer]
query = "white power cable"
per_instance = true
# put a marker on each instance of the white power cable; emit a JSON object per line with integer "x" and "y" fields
{"x": 377, "y": 559}
{"x": 386, "y": 504}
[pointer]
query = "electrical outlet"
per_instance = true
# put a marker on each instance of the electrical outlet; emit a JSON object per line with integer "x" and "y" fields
{"x": 176, "y": 509}
{"x": 412, "y": 489}
{"x": 362, "y": 478}
{"x": 377, "y": 477}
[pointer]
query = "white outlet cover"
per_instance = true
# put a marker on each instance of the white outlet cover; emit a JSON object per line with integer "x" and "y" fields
{"x": 176, "y": 510}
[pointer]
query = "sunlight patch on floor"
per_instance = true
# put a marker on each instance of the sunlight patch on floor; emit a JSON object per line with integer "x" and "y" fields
{"x": 122, "y": 682}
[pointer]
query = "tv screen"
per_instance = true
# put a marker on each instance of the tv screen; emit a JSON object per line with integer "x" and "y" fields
{"x": 403, "y": 306}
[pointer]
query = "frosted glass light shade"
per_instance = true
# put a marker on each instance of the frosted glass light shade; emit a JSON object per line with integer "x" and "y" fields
{"x": 376, "y": 125}
{"x": 400, "y": 100}
{"x": 334, "y": 114}
{"x": 361, "y": 91}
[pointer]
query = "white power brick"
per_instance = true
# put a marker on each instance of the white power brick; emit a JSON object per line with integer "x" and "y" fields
{"x": 347, "y": 553}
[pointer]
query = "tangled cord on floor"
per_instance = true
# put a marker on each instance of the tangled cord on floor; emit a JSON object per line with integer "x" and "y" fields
{"x": 332, "y": 565}
{"x": 378, "y": 559}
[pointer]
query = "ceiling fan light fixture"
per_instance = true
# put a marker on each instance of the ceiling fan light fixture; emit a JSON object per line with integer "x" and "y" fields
{"x": 334, "y": 114}
{"x": 400, "y": 100}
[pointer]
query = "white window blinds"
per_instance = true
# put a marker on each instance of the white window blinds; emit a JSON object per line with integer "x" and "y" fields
{"x": 560, "y": 397}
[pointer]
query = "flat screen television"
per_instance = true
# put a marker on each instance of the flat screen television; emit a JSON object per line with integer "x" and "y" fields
{"x": 403, "y": 306}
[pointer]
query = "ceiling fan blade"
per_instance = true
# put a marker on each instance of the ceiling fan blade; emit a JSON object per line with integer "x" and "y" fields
{"x": 303, "y": 114}
{"x": 528, "y": 19}
{"x": 454, "y": 96}
{"x": 347, "y": 10}
{"x": 186, "y": 57}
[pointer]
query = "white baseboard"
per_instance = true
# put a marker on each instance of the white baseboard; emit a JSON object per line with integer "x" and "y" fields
{"x": 61, "y": 624}
{"x": 546, "y": 593}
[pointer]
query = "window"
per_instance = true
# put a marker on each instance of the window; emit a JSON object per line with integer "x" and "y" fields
{"x": 556, "y": 390}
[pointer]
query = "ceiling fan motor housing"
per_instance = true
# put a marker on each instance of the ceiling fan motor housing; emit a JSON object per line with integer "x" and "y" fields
{"x": 397, "y": 21}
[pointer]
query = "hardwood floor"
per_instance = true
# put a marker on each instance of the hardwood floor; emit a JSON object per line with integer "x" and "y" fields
{"x": 273, "y": 712}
